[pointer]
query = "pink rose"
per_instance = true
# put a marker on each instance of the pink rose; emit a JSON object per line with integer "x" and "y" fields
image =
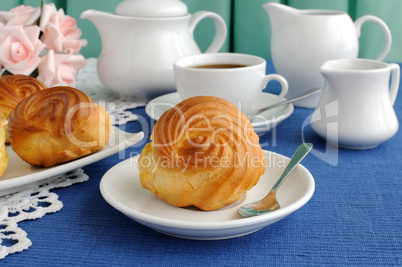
{"x": 60, "y": 32}
{"x": 20, "y": 15}
{"x": 60, "y": 69}
{"x": 19, "y": 48}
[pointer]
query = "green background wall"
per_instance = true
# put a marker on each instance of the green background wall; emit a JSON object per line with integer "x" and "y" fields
{"x": 248, "y": 23}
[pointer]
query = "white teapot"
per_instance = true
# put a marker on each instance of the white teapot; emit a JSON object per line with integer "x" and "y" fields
{"x": 141, "y": 41}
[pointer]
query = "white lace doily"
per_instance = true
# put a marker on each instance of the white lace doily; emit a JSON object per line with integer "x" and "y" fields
{"x": 37, "y": 201}
{"x": 30, "y": 204}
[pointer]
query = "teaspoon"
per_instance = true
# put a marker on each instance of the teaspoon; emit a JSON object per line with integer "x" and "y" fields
{"x": 270, "y": 203}
{"x": 310, "y": 92}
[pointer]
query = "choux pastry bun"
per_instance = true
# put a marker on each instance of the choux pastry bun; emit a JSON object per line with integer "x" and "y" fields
{"x": 204, "y": 153}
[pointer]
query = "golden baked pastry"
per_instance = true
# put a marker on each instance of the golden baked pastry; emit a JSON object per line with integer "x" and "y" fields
{"x": 14, "y": 88}
{"x": 3, "y": 148}
{"x": 57, "y": 125}
{"x": 204, "y": 152}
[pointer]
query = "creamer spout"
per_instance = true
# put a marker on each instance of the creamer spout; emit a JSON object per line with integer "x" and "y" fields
{"x": 279, "y": 13}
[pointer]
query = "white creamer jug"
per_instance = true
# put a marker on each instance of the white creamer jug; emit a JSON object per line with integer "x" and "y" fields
{"x": 356, "y": 107}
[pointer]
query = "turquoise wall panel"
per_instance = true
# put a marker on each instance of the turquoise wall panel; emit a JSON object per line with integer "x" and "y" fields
{"x": 8, "y": 4}
{"x": 205, "y": 30}
{"x": 251, "y": 28}
{"x": 89, "y": 31}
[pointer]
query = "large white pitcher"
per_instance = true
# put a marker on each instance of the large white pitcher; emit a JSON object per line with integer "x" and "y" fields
{"x": 302, "y": 40}
{"x": 356, "y": 107}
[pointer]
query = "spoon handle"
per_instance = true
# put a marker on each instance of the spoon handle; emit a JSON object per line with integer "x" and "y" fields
{"x": 310, "y": 92}
{"x": 305, "y": 94}
{"x": 298, "y": 156}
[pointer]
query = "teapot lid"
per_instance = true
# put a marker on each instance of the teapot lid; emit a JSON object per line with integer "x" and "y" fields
{"x": 151, "y": 8}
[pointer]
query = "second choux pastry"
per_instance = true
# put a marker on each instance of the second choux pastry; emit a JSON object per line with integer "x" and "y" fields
{"x": 57, "y": 125}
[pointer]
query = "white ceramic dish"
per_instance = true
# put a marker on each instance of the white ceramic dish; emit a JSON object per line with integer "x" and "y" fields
{"x": 121, "y": 188}
{"x": 20, "y": 175}
{"x": 262, "y": 123}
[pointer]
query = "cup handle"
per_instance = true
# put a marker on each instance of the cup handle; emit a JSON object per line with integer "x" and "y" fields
{"x": 387, "y": 33}
{"x": 281, "y": 80}
{"x": 394, "y": 87}
{"x": 220, "y": 25}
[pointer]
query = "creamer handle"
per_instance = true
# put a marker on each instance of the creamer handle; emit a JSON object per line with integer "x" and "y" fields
{"x": 394, "y": 87}
{"x": 387, "y": 33}
{"x": 220, "y": 25}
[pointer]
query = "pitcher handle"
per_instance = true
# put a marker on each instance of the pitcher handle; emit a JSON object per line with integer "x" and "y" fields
{"x": 394, "y": 87}
{"x": 220, "y": 25}
{"x": 387, "y": 33}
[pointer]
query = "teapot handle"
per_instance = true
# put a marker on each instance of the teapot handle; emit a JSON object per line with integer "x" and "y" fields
{"x": 395, "y": 71}
{"x": 220, "y": 25}
{"x": 387, "y": 33}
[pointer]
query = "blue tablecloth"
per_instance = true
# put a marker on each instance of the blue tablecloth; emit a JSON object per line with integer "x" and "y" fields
{"x": 354, "y": 217}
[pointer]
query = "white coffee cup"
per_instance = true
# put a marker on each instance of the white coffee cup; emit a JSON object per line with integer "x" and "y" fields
{"x": 238, "y": 78}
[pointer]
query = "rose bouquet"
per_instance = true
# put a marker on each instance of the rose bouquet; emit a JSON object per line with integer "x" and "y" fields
{"x": 41, "y": 42}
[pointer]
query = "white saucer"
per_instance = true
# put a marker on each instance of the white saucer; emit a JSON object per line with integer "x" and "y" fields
{"x": 262, "y": 123}
{"x": 121, "y": 188}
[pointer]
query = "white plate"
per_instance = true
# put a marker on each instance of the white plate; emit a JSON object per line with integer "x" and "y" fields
{"x": 121, "y": 188}
{"x": 262, "y": 123}
{"x": 20, "y": 175}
